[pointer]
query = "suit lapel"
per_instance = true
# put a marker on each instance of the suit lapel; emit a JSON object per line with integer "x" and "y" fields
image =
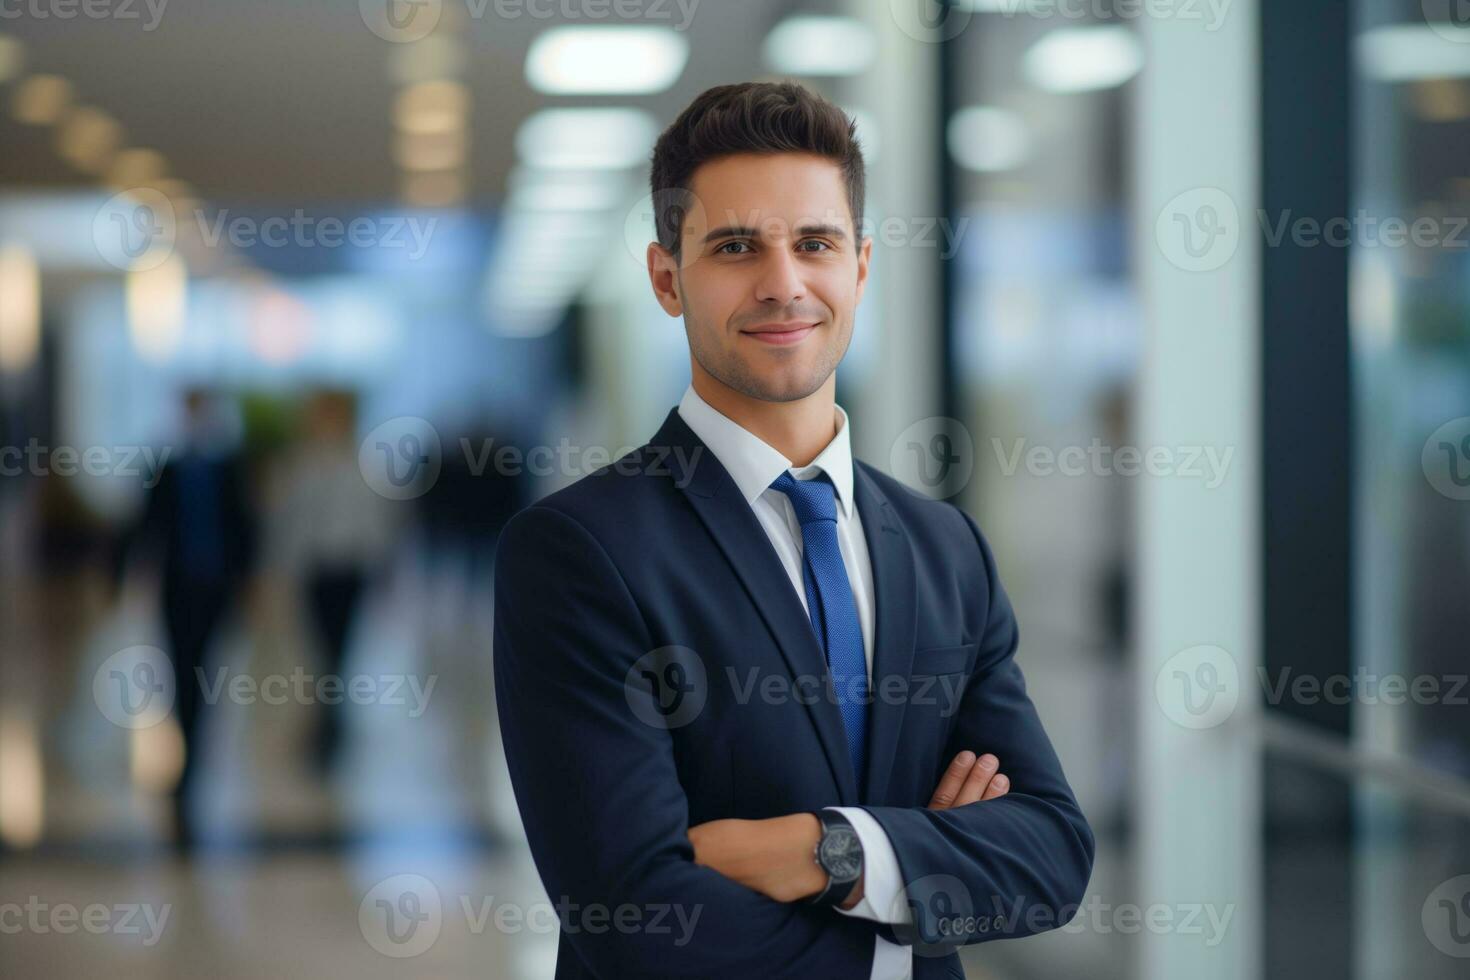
{"x": 892, "y": 560}
{"x": 742, "y": 539}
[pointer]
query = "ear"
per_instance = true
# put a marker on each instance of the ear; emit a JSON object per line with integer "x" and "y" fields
{"x": 865, "y": 255}
{"x": 663, "y": 270}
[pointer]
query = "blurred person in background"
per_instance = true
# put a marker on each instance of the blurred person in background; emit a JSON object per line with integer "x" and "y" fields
{"x": 199, "y": 527}
{"x": 338, "y": 534}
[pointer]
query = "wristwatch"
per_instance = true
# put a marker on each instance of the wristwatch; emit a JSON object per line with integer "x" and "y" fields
{"x": 839, "y": 852}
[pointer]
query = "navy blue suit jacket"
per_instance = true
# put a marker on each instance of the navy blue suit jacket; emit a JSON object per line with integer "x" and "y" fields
{"x": 654, "y": 670}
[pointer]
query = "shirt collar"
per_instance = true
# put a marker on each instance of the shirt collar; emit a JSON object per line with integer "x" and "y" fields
{"x": 754, "y": 464}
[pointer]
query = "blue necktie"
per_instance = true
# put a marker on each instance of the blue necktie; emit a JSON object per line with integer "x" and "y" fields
{"x": 830, "y": 605}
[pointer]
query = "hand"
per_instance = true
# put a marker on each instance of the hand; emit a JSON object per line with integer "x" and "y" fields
{"x": 773, "y": 857}
{"x": 970, "y": 780}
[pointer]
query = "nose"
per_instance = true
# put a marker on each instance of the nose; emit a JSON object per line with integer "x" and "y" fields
{"x": 780, "y": 278}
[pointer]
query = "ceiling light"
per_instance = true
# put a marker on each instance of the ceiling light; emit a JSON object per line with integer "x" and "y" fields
{"x": 606, "y": 60}
{"x": 41, "y": 99}
{"x": 431, "y": 107}
{"x": 87, "y": 139}
{"x": 1410, "y": 52}
{"x": 135, "y": 167}
{"x": 1083, "y": 59}
{"x": 987, "y": 139}
{"x": 812, "y": 45}
{"x": 587, "y": 139}
{"x": 11, "y": 58}
{"x": 430, "y": 151}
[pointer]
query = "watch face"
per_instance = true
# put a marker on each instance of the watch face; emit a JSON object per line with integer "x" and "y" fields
{"x": 841, "y": 854}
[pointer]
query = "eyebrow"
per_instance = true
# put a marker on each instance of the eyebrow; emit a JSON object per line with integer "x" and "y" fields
{"x": 742, "y": 231}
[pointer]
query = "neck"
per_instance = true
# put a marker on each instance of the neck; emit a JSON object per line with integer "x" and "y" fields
{"x": 798, "y": 430}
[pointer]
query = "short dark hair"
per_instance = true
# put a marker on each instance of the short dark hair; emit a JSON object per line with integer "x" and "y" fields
{"x": 751, "y": 117}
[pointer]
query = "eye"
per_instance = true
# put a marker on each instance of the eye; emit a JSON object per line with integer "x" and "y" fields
{"x": 821, "y": 245}
{"x": 726, "y": 248}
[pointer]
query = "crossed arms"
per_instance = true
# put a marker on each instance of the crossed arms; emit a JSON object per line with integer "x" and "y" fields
{"x": 607, "y": 819}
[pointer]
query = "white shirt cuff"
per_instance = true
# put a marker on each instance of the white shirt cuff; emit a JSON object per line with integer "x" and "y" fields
{"x": 883, "y": 894}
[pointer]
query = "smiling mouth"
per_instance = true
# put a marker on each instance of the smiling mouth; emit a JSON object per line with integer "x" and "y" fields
{"x": 781, "y": 336}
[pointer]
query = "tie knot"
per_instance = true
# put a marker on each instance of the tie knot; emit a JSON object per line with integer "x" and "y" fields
{"x": 813, "y": 500}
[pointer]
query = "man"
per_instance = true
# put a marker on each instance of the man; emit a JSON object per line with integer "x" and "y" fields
{"x": 755, "y": 695}
{"x": 199, "y": 526}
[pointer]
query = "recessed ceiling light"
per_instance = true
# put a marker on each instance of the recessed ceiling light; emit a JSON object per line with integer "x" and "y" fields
{"x": 812, "y": 45}
{"x": 431, "y": 107}
{"x": 1412, "y": 52}
{"x": 988, "y": 139}
{"x": 586, "y": 139}
{"x": 1083, "y": 59}
{"x": 606, "y": 60}
{"x": 41, "y": 99}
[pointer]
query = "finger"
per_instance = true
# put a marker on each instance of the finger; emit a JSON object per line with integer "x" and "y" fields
{"x": 951, "y": 781}
{"x": 999, "y": 786}
{"x": 979, "y": 780}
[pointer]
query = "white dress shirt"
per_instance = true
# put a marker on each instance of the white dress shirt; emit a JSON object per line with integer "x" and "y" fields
{"x": 754, "y": 465}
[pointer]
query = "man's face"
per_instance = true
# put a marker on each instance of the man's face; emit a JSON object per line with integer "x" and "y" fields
{"x": 769, "y": 275}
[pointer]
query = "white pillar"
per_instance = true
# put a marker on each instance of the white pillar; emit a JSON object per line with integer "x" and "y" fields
{"x": 1196, "y": 126}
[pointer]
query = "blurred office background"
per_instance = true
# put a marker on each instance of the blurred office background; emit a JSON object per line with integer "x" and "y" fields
{"x": 369, "y": 276}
